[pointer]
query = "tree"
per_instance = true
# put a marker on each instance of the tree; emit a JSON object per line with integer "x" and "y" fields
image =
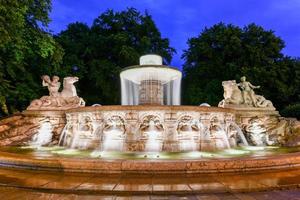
{"x": 26, "y": 51}
{"x": 98, "y": 53}
{"x": 226, "y": 52}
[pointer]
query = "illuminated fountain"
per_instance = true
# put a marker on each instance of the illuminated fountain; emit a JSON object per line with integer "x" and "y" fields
{"x": 113, "y": 136}
{"x": 43, "y": 136}
{"x": 149, "y": 122}
{"x": 150, "y": 83}
{"x": 151, "y": 132}
{"x": 150, "y": 118}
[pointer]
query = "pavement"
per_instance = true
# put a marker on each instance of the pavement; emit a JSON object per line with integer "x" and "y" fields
{"x": 32, "y": 184}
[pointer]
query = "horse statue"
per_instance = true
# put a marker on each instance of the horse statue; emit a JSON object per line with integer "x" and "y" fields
{"x": 69, "y": 90}
{"x": 56, "y": 100}
{"x": 233, "y": 96}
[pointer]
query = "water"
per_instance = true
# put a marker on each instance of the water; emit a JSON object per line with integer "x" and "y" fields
{"x": 44, "y": 135}
{"x": 153, "y": 138}
{"x": 240, "y": 133}
{"x": 247, "y": 151}
{"x": 157, "y": 85}
{"x": 113, "y": 140}
{"x": 63, "y": 135}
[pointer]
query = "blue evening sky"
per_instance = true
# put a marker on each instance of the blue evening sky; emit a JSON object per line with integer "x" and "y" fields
{"x": 179, "y": 20}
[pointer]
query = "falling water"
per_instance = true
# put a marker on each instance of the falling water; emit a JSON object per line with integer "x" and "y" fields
{"x": 44, "y": 135}
{"x": 63, "y": 136}
{"x": 224, "y": 136}
{"x": 153, "y": 143}
{"x": 240, "y": 133}
{"x": 113, "y": 139}
{"x": 150, "y": 83}
{"x": 188, "y": 138}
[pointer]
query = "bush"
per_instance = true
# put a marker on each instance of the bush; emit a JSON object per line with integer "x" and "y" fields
{"x": 291, "y": 111}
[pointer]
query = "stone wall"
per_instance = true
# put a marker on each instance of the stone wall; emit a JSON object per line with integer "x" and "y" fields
{"x": 150, "y": 128}
{"x": 20, "y": 128}
{"x": 267, "y": 127}
{"x": 261, "y": 127}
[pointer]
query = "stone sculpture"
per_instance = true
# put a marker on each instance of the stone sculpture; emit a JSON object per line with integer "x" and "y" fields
{"x": 151, "y": 133}
{"x": 244, "y": 97}
{"x": 257, "y": 132}
{"x": 188, "y": 133}
{"x": 66, "y": 99}
{"x": 113, "y": 134}
{"x": 248, "y": 91}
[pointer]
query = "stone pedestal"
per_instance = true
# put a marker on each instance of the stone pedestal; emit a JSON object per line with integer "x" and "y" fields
{"x": 264, "y": 126}
{"x": 244, "y": 113}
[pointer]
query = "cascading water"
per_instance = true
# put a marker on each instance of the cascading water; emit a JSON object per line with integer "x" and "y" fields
{"x": 240, "y": 133}
{"x": 150, "y": 83}
{"x": 189, "y": 132}
{"x": 151, "y": 127}
{"x": 153, "y": 143}
{"x": 44, "y": 135}
{"x": 63, "y": 135}
{"x": 113, "y": 138}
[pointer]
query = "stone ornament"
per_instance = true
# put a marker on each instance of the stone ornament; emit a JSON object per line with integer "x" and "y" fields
{"x": 64, "y": 100}
{"x": 242, "y": 95}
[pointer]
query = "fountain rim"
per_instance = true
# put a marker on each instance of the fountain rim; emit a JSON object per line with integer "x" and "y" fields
{"x": 148, "y": 66}
{"x": 186, "y": 166}
{"x": 184, "y": 108}
{"x": 168, "y": 73}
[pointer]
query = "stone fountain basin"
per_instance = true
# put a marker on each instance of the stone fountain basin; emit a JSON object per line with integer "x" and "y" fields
{"x": 91, "y": 125}
{"x": 151, "y": 107}
{"x": 88, "y": 165}
{"x": 21, "y": 127}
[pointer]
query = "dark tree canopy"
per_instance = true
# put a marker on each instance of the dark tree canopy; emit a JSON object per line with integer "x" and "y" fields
{"x": 98, "y": 53}
{"x": 26, "y": 51}
{"x": 227, "y": 52}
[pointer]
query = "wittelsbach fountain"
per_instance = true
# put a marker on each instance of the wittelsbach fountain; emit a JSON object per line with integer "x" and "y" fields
{"x": 153, "y": 121}
{"x": 151, "y": 124}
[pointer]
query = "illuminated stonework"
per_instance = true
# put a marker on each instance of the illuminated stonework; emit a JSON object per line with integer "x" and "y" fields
{"x": 149, "y": 128}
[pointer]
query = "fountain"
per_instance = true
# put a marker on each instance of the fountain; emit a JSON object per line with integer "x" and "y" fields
{"x": 44, "y": 135}
{"x": 149, "y": 122}
{"x": 150, "y": 83}
{"x": 149, "y": 119}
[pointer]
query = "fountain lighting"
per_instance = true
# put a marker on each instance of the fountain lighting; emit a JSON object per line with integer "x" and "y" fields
{"x": 150, "y": 83}
{"x": 235, "y": 151}
{"x": 195, "y": 154}
{"x": 151, "y": 124}
{"x": 96, "y": 154}
{"x": 43, "y": 136}
{"x": 67, "y": 151}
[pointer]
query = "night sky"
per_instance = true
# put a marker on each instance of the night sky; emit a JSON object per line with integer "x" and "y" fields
{"x": 179, "y": 20}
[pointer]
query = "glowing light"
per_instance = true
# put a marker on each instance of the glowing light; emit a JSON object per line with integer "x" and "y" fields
{"x": 254, "y": 148}
{"x": 153, "y": 143}
{"x": 195, "y": 154}
{"x": 96, "y": 154}
{"x": 67, "y": 152}
{"x": 235, "y": 152}
{"x": 44, "y": 135}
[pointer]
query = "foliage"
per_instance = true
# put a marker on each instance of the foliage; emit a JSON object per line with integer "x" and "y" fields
{"x": 291, "y": 111}
{"x": 227, "y": 52}
{"x": 26, "y": 50}
{"x": 98, "y": 53}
